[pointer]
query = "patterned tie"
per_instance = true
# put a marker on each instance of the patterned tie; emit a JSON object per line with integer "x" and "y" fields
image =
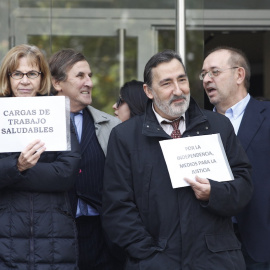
{"x": 175, "y": 124}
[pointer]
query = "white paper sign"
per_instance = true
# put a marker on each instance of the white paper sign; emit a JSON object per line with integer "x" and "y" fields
{"x": 24, "y": 119}
{"x": 199, "y": 155}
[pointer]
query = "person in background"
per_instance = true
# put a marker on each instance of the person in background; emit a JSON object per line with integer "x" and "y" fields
{"x": 226, "y": 75}
{"x": 160, "y": 227}
{"x": 37, "y": 229}
{"x": 72, "y": 77}
{"x": 132, "y": 100}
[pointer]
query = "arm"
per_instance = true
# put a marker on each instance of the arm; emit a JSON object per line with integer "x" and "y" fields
{"x": 121, "y": 218}
{"x": 55, "y": 174}
{"x": 228, "y": 198}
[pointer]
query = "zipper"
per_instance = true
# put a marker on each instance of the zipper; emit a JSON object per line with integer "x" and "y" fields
{"x": 32, "y": 260}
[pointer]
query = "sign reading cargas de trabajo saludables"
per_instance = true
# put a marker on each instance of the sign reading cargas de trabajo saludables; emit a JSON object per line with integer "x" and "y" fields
{"x": 24, "y": 119}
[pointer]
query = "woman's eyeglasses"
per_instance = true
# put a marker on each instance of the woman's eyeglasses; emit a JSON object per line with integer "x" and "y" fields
{"x": 17, "y": 75}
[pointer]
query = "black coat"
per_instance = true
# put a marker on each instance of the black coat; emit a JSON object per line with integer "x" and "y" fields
{"x": 37, "y": 230}
{"x": 164, "y": 228}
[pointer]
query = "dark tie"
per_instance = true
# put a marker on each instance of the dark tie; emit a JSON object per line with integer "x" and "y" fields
{"x": 175, "y": 124}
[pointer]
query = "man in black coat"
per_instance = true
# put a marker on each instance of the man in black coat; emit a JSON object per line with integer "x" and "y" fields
{"x": 160, "y": 228}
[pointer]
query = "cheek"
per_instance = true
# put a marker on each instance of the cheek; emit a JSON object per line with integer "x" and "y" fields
{"x": 13, "y": 84}
{"x": 124, "y": 112}
{"x": 186, "y": 90}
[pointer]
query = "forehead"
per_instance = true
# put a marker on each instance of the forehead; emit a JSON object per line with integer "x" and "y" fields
{"x": 217, "y": 59}
{"x": 30, "y": 62}
{"x": 168, "y": 70}
{"x": 81, "y": 66}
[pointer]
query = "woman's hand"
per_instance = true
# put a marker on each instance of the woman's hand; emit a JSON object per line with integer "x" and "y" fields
{"x": 30, "y": 155}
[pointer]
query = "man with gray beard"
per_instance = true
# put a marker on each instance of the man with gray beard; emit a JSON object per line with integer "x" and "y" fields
{"x": 160, "y": 227}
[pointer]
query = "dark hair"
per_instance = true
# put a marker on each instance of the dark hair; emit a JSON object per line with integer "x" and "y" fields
{"x": 238, "y": 58}
{"x": 61, "y": 62}
{"x": 133, "y": 94}
{"x": 161, "y": 57}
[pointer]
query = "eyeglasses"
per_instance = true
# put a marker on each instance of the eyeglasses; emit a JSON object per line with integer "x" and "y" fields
{"x": 17, "y": 75}
{"x": 119, "y": 102}
{"x": 213, "y": 73}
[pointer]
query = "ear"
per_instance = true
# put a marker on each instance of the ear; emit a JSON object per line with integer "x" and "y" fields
{"x": 56, "y": 85}
{"x": 148, "y": 91}
{"x": 241, "y": 74}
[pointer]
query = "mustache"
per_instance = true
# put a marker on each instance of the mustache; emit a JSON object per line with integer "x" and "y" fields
{"x": 177, "y": 97}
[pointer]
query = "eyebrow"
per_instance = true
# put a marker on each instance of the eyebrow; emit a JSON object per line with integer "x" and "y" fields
{"x": 82, "y": 73}
{"x": 209, "y": 68}
{"x": 169, "y": 79}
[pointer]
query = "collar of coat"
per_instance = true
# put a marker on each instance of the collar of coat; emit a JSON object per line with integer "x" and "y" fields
{"x": 194, "y": 116}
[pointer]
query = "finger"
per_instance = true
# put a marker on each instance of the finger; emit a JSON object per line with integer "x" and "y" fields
{"x": 39, "y": 151}
{"x": 31, "y": 145}
{"x": 201, "y": 180}
{"x": 189, "y": 181}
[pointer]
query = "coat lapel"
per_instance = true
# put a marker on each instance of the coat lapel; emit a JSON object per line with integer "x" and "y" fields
{"x": 88, "y": 130}
{"x": 251, "y": 122}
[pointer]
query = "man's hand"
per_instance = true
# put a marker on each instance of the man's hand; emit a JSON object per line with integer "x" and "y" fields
{"x": 201, "y": 188}
{"x": 30, "y": 155}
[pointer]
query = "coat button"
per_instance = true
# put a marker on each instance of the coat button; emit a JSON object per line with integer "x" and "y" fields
{"x": 206, "y": 127}
{"x": 198, "y": 132}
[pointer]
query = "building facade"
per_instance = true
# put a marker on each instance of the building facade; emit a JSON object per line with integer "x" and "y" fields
{"x": 119, "y": 36}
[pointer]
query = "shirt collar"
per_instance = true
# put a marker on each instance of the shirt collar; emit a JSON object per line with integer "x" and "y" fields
{"x": 236, "y": 110}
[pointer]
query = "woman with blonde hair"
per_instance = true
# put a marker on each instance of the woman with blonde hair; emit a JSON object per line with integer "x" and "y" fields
{"x": 37, "y": 230}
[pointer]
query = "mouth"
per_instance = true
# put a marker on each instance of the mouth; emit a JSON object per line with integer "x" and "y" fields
{"x": 85, "y": 92}
{"x": 25, "y": 91}
{"x": 210, "y": 90}
{"x": 177, "y": 100}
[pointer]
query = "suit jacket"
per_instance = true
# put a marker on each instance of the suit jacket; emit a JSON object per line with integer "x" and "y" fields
{"x": 90, "y": 190}
{"x": 103, "y": 124}
{"x": 254, "y": 221}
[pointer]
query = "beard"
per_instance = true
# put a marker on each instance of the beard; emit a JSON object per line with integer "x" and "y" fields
{"x": 171, "y": 109}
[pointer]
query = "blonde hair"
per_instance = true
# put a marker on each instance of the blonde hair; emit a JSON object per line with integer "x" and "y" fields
{"x": 11, "y": 62}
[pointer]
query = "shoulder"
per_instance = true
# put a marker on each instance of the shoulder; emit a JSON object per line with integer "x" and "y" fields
{"x": 254, "y": 103}
{"x": 214, "y": 116}
{"x": 101, "y": 117}
{"x": 129, "y": 129}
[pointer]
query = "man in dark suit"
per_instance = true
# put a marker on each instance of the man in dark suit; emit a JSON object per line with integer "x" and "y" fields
{"x": 225, "y": 75}
{"x": 71, "y": 76}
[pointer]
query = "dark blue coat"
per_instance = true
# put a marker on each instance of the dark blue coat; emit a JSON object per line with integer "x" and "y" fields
{"x": 254, "y": 221}
{"x": 37, "y": 230}
{"x": 164, "y": 228}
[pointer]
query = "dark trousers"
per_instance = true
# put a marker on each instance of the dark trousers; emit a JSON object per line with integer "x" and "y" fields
{"x": 94, "y": 253}
{"x": 250, "y": 263}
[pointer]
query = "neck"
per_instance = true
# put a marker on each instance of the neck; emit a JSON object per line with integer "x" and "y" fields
{"x": 224, "y": 106}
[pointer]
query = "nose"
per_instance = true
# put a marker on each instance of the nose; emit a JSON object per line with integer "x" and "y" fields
{"x": 207, "y": 78}
{"x": 114, "y": 106}
{"x": 24, "y": 79}
{"x": 89, "y": 82}
{"x": 177, "y": 89}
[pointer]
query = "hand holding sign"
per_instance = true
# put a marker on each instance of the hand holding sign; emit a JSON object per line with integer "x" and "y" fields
{"x": 30, "y": 155}
{"x": 201, "y": 187}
